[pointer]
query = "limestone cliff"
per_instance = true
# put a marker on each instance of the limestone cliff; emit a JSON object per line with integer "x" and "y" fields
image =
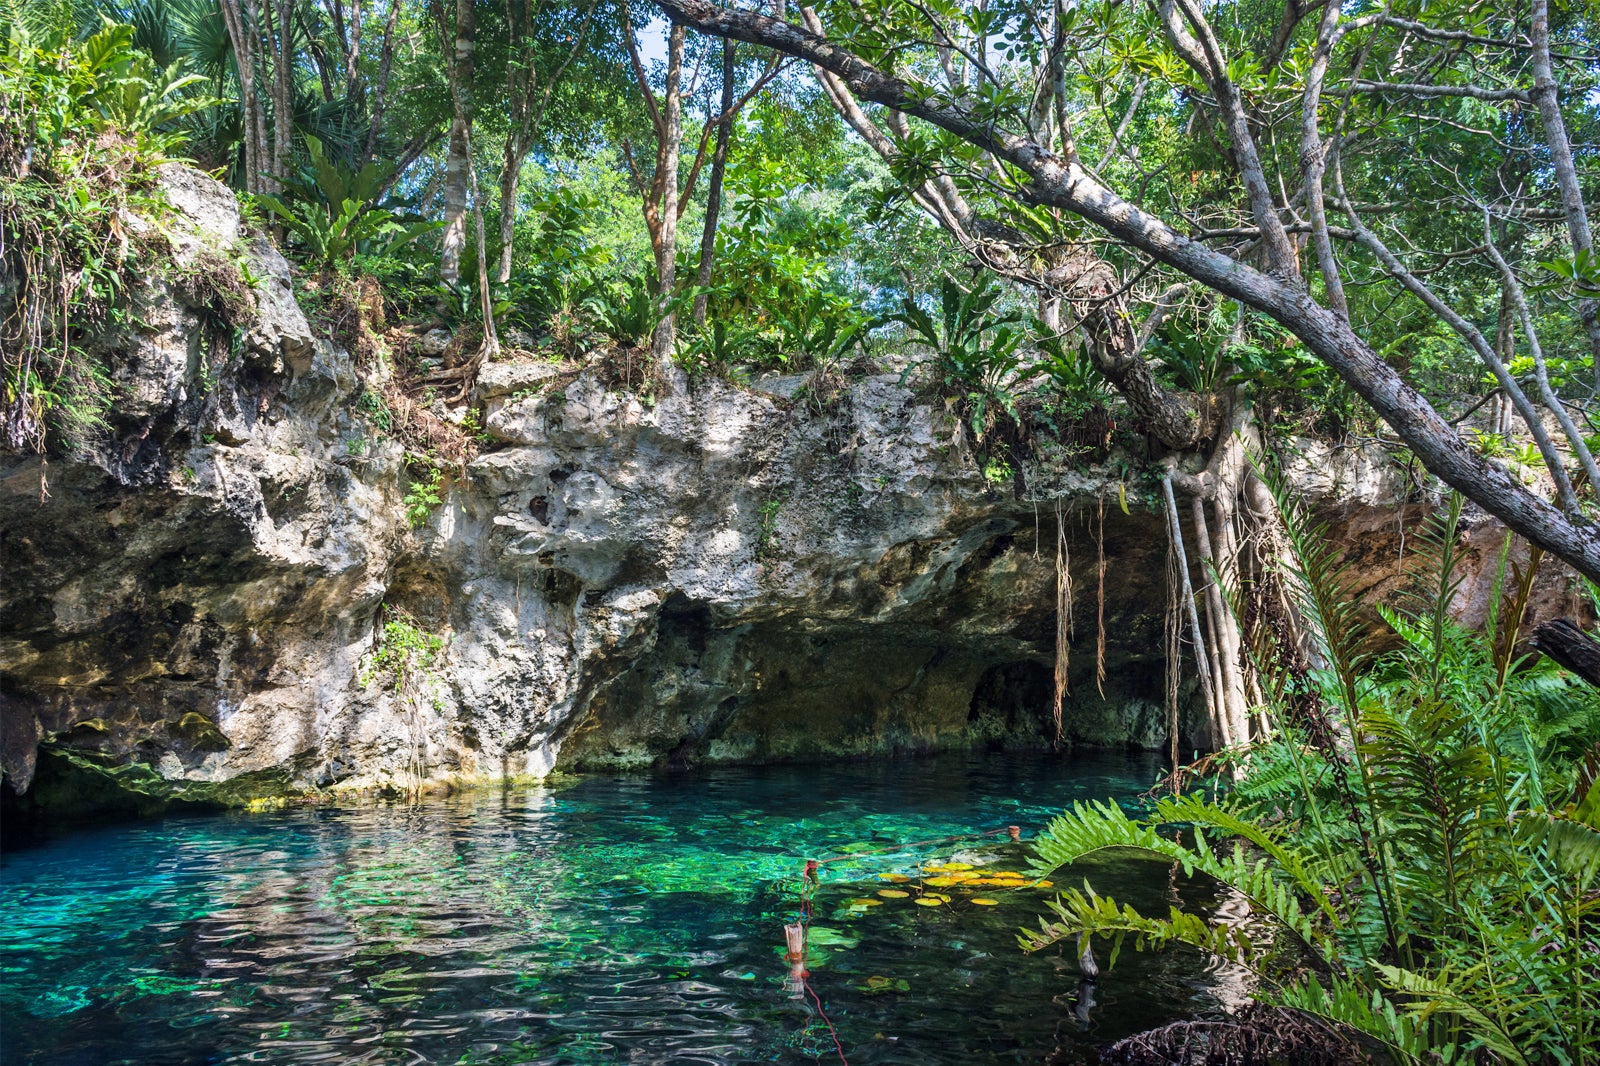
{"x": 197, "y": 606}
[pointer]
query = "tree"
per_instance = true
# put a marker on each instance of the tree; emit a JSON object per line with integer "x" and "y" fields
{"x": 458, "y": 153}
{"x": 665, "y": 193}
{"x": 984, "y": 111}
{"x": 530, "y": 82}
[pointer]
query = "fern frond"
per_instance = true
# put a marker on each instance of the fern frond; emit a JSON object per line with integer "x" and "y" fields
{"x": 1196, "y": 811}
{"x": 1084, "y": 913}
{"x": 1346, "y": 1002}
{"x": 1575, "y": 849}
{"x": 1439, "y": 995}
{"x": 1086, "y": 828}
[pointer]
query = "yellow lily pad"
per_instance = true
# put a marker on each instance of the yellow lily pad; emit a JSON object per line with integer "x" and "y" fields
{"x": 892, "y": 893}
{"x": 866, "y": 903}
{"x": 983, "y": 902}
{"x": 895, "y": 878}
{"x": 958, "y": 866}
{"x": 929, "y": 901}
{"x": 941, "y": 882}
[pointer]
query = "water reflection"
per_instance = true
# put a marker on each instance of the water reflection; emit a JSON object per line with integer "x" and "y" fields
{"x": 635, "y": 919}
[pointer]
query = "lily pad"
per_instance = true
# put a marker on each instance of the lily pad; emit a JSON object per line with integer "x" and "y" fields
{"x": 929, "y": 901}
{"x": 983, "y": 901}
{"x": 818, "y": 936}
{"x": 878, "y": 984}
{"x": 892, "y": 893}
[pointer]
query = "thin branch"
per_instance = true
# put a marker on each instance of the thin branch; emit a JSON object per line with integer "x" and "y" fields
{"x": 1541, "y": 373}
{"x": 1475, "y": 92}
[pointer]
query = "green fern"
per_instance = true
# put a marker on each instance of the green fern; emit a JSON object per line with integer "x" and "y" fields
{"x": 1426, "y": 867}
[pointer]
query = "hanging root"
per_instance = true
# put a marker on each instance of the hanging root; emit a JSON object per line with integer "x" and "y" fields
{"x": 1174, "y": 650}
{"x": 1100, "y": 607}
{"x": 1063, "y": 619}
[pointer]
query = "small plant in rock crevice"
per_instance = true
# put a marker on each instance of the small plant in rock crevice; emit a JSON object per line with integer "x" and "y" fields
{"x": 423, "y": 496}
{"x": 406, "y": 653}
{"x": 767, "y": 535}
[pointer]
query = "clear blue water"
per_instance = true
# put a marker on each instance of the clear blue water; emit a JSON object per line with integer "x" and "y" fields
{"x": 616, "y": 919}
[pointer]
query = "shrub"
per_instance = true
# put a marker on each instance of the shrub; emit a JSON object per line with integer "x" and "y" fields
{"x": 406, "y": 652}
{"x": 976, "y": 351}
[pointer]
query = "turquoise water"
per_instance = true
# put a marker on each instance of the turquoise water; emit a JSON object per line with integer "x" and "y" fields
{"x": 633, "y": 919}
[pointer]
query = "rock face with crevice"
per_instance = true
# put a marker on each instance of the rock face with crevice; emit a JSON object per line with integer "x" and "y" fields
{"x": 197, "y": 607}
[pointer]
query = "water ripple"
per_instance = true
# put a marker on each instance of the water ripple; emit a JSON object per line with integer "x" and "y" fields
{"x": 618, "y": 919}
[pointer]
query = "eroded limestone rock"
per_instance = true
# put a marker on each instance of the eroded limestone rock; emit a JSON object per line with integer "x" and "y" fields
{"x": 729, "y": 574}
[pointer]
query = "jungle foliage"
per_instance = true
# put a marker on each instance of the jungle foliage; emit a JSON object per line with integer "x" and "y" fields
{"x": 1416, "y": 832}
{"x": 1418, "y": 841}
{"x": 82, "y": 127}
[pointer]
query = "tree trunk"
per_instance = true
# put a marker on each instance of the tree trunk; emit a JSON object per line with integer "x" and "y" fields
{"x": 1202, "y": 664}
{"x": 458, "y": 156}
{"x": 241, "y": 28}
{"x": 510, "y": 171}
{"x": 719, "y": 163}
{"x": 663, "y": 341}
{"x": 490, "y": 349}
{"x": 1555, "y": 133}
{"x": 282, "y": 92}
{"x": 521, "y": 80}
{"x": 380, "y": 91}
{"x": 1226, "y": 711}
{"x": 527, "y": 102}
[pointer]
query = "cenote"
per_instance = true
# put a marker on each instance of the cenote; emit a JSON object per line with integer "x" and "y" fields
{"x": 613, "y": 918}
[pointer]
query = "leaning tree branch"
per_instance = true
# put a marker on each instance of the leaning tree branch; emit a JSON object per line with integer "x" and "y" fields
{"x": 1569, "y": 646}
{"x": 1061, "y": 183}
{"x": 1281, "y": 258}
{"x": 1076, "y": 276}
{"x": 1555, "y": 133}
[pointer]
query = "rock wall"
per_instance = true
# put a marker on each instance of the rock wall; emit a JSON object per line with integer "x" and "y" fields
{"x": 196, "y": 609}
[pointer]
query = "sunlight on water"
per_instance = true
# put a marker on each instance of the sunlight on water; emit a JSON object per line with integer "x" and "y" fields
{"x": 617, "y": 919}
